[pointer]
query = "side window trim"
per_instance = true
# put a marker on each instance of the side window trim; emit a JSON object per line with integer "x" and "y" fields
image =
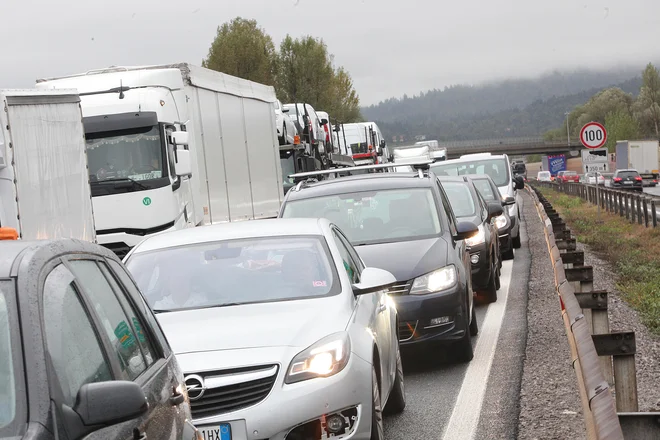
{"x": 340, "y": 244}
{"x": 351, "y": 251}
{"x": 449, "y": 212}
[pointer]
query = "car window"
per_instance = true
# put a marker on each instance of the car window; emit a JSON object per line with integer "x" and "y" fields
{"x": 8, "y": 391}
{"x": 142, "y": 305}
{"x": 347, "y": 260}
{"x": 449, "y": 212}
{"x": 570, "y": 173}
{"x": 460, "y": 198}
{"x": 370, "y": 217}
{"x": 118, "y": 327}
{"x": 240, "y": 271}
{"x": 626, "y": 174}
{"x": 486, "y": 190}
{"x": 71, "y": 340}
{"x": 497, "y": 169}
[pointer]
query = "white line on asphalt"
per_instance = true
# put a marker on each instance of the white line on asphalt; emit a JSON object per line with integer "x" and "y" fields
{"x": 467, "y": 410}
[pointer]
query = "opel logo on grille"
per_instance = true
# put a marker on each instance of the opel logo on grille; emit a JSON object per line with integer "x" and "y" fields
{"x": 195, "y": 387}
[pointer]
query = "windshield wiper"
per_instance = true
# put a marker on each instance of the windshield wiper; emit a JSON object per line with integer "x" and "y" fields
{"x": 123, "y": 179}
{"x": 157, "y": 311}
{"x": 220, "y": 305}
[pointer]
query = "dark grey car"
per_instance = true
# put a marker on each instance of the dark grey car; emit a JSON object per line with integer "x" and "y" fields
{"x": 81, "y": 354}
{"x": 627, "y": 179}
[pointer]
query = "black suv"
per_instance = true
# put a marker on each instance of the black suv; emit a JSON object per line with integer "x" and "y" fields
{"x": 484, "y": 247}
{"x": 81, "y": 354}
{"x": 627, "y": 179}
{"x": 404, "y": 223}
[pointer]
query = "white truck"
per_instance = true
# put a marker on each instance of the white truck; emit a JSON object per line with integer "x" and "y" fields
{"x": 643, "y": 156}
{"x": 44, "y": 181}
{"x": 175, "y": 146}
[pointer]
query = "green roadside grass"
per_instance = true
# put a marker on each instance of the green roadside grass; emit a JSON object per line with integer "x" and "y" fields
{"x": 633, "y": 251}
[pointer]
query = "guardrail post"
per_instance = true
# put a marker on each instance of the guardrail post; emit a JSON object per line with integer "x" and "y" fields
{"x": 621, "y": 204}
{"x": 625, "y": 200}
{"x": 622, "y": 348}
{"x": 596, "y": 301}
{"x": 639, "y": 210}
{"x": 646, "y": 212}
{"x": 654, "y": 214}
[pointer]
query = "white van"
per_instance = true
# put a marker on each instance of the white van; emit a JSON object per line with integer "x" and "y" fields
{"x": 309, "y": 130}
{"x": 498, "y": 168}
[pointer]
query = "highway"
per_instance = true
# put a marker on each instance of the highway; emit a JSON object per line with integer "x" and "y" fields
{"x": 478, "y": 400}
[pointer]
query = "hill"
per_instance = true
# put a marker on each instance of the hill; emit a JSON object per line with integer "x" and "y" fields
{"x": 525, "y": 107}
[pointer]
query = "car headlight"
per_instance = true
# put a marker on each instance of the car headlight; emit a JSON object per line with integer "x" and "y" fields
{"x": 436, "y": 281}
{"x": 478, "y": 238}
{"x": 501, "y": 222}
{"x": 325, "y": 358}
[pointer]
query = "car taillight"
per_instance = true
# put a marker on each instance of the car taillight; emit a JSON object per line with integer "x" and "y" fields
{"x": 618, "y": 179}
{"x": 639, "y": 179}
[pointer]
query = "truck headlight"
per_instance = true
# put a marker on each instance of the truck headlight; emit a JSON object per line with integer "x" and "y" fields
{"x": 478, "y": 238}
{"x": 326, "y": 357}
{"x": 436, "y": 281}
{"x": 501, "y": 222}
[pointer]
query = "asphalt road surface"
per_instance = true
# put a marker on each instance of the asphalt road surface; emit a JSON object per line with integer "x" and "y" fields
{"x": 476, "y": 400}
{"x": 655, "y": 190}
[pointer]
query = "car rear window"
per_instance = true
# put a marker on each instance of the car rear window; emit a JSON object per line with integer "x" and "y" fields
{"x": 486, "y": 190}
{"x": 242, "y": 271}
{"x": 497, "y": 169}
{"x": 369, "y": 217}
{"x": 626, "y": 174}
{"x": 460, "y": 198}
{"x": 570, "y": 173}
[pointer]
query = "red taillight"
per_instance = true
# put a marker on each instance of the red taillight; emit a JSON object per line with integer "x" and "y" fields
{"x": 618, "y": 179}
{"x": 639, "y": 179}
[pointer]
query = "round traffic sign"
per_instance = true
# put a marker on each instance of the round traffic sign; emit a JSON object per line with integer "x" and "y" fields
{"x": 593, "y": 135}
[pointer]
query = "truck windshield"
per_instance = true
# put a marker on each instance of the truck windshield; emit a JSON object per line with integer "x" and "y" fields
{"x": 9, "y": 395}
{"x": 134, "y": 155}
{"x": 495, "y": 168}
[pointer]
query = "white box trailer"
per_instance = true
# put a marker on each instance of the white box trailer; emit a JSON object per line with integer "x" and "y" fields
{"x": 643, "y": 156}
{"x": 44, "y": 181}
{"x": 176, "y": 146}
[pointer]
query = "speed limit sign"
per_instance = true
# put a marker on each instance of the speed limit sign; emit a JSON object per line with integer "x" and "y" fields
{"x": 593, "y": 135}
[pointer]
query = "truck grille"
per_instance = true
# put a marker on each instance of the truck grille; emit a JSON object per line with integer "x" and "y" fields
{"x": 218, "y": 392}
{"x": 407, "y": 330}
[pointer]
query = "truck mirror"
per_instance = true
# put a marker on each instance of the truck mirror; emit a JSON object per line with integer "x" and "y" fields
{"x": 183, "y": 165}
{"x": 324, "y": 121}
{"x": 180, "y": 137}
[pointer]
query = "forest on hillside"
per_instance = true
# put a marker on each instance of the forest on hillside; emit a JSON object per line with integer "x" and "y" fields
{"x": 524, "y": 107}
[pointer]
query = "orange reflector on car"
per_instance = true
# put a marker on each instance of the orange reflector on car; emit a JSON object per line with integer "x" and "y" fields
{"x": 8, "y": 234}
{"x": 296, "y": 140}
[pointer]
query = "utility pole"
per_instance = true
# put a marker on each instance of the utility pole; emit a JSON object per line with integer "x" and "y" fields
{"x": 568, "y": 131}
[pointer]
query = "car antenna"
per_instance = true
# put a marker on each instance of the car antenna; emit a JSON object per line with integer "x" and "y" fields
{"x": 121, "y": 89}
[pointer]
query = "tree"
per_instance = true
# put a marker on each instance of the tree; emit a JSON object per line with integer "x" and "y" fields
{"x": 620, "y": 125}
{"x": 345, "y": 103}
{"x": 241, "y": 48}
{"x": 647, "y": 106}
{"x": 611, "y": 100}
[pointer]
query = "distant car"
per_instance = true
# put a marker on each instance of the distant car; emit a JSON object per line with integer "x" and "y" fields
{"x": 280, "y": 328}
{"x": 308, "y": 123}
{"x": 81, "y": 354}
{"x": 627, "y": 179}
{"x": 286, "y": 129}
{"x": 488, "y": 190}
{"x": 404, "y": 223}
{"x": 484, "y": 248}
{"x": 568, "y": 176}
{"x": 328, "y": 129}
{"x": 594, "y": 178}
{"x": 544, "y": 176}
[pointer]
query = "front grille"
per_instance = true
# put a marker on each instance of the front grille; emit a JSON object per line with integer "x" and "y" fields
{"x": 402, "y": 288}
{"x": 229, "y": 390}
{"x": 407, "y": 330}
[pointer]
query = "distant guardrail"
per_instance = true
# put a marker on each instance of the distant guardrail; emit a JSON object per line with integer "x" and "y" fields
{"x": 603, "y": 362}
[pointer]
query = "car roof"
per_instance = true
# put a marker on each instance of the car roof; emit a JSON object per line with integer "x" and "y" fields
{"x": 473, "y": 158}
{"x": 231, "y": 231}
{"x": 359, "y": 183}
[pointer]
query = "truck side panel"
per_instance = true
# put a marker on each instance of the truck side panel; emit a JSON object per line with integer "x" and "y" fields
{"x": 50, "y": 167}
{"x": 622, "y": 155}
{"x": 263, "y": 158}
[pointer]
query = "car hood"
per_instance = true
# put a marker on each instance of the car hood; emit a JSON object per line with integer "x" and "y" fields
{"x": 406, "y": 259}
{"x": 276, "y": 324}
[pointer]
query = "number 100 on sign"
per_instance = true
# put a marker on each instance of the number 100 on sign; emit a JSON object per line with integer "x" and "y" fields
{"x": 593, "y": 135}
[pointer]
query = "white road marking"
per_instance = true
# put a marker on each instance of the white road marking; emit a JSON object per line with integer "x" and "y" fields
{"x": 467, "y": 410}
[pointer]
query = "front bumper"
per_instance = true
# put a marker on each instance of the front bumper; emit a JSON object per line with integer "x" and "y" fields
{"x": 417, "y": 311}
{"x": 289, "y": 406}
{"x": 480, "y": 269}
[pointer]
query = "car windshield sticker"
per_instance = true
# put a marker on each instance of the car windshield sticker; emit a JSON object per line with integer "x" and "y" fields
{"x": 320, "y": 284}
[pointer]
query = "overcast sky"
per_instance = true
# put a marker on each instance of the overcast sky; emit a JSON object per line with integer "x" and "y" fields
{"x": 390, "y": 47}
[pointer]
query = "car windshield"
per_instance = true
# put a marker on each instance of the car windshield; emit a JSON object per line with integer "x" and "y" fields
{"x": 8, "y": 392}
{"x": 460, "y": 198}
{"x": 486, "y": 190}
{"x": 242, "y": 271}
{"x": 544, "y": 174}
{"x": 371, "y": 217}
{"x": 495, "y": 168}
{"x": 570, "y": 173}
{"x": 135, "y": 154}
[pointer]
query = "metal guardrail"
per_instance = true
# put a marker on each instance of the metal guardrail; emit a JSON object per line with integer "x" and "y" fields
{"x": 640, "y": 208}
{"x": 604, "y": 362}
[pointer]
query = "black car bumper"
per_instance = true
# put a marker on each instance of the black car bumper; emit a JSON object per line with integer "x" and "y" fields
{"x": 416, "y": 313}
{"x": 480, "y": 261}
{"x": 634, "y": 187}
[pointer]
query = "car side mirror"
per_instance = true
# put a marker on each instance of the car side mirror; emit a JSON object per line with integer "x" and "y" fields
{"x": 382, "y": 143}
{"x": 466, "y": 230}
{"x": 183, "y": 165}
{"x": 373, "y": 280}
{"x": 508, "y": 201}
{"x": 180, "y": 137}
{"x": 103, "y": 404}
{"x": 324, "y": 121}
{"x": 285, "y": 110}
{"x": 519, "y": 182}
{"x": 494, "y": 210}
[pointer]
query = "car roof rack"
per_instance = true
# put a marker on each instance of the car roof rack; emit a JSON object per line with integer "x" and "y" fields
{"x": 312, "y": 176}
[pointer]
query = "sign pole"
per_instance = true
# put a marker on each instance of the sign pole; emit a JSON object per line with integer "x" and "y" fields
{"x": 593, "y": 135}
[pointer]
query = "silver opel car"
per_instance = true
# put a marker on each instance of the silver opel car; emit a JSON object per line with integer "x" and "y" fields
{"x": 281, "y": 330}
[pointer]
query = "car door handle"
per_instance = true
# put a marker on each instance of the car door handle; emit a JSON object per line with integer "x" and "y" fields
{"x": 176, "y": 398}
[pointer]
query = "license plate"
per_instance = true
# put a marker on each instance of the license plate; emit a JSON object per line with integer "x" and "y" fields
{"x": 221, "y": 432}
{"x": 627, "y": 183}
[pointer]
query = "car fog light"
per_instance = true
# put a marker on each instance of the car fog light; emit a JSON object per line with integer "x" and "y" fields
{"x": 440, "y": 320}
{"x": 474, "y": 258}
{"x": 335, "y": 423}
